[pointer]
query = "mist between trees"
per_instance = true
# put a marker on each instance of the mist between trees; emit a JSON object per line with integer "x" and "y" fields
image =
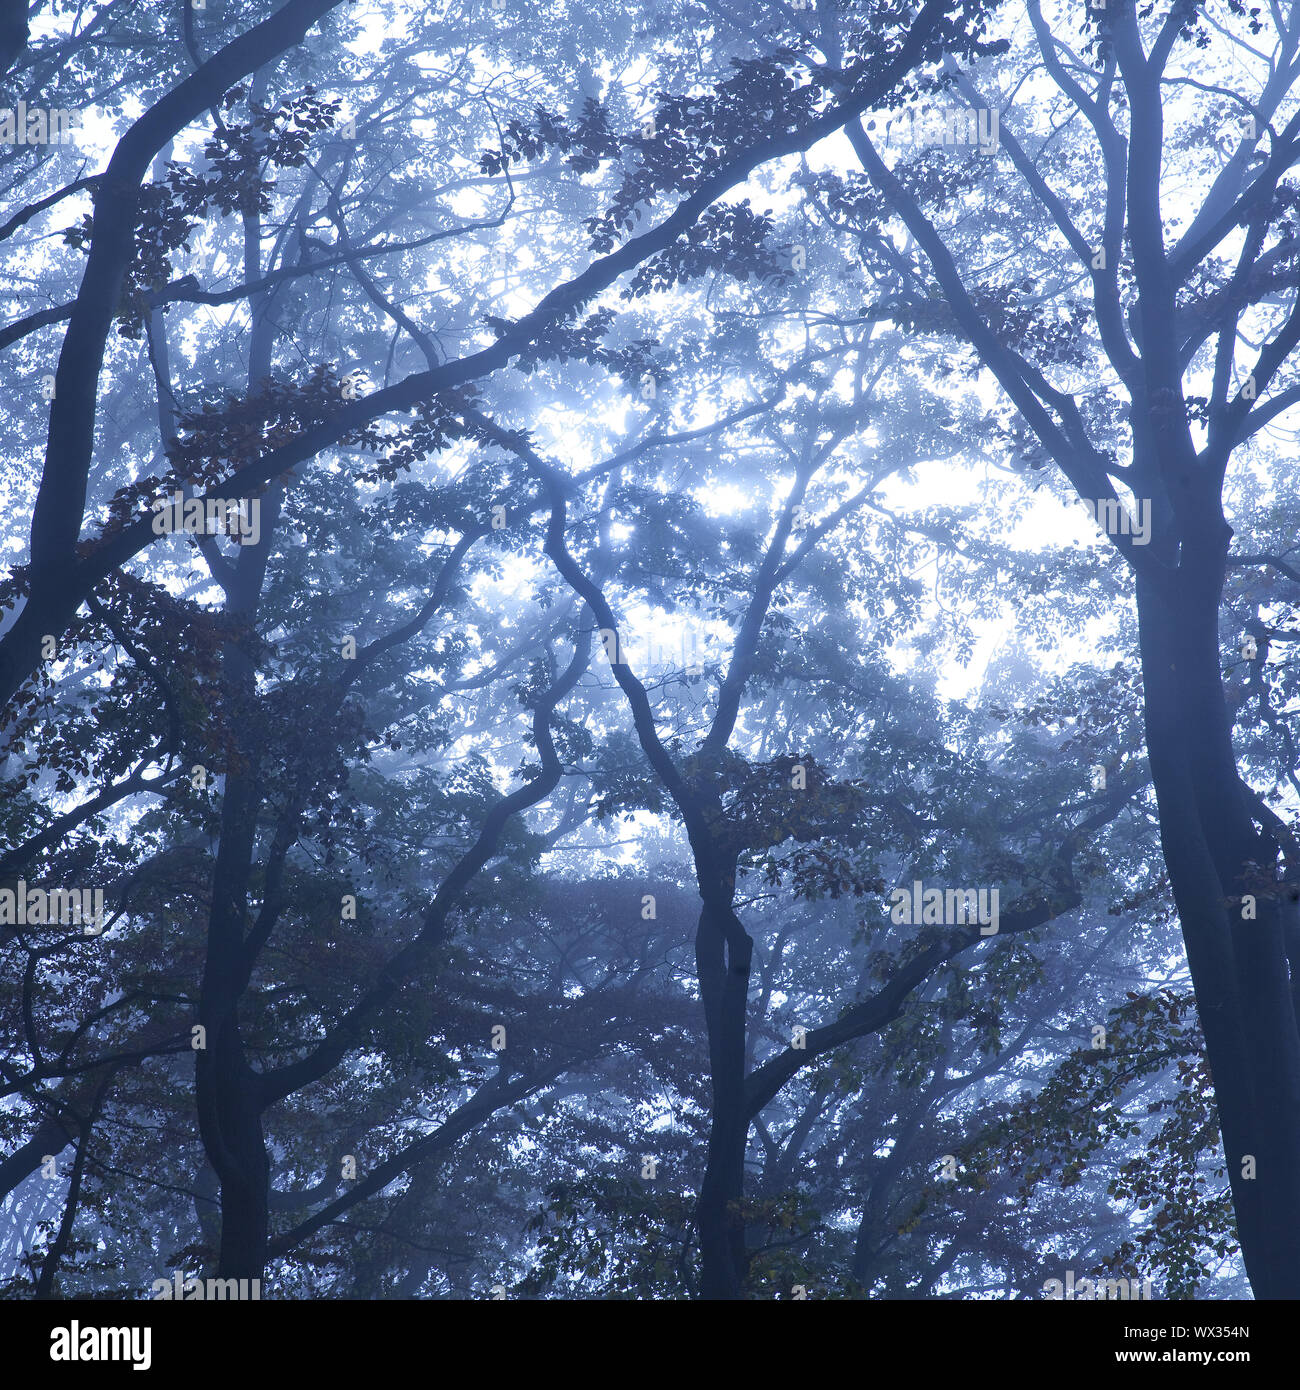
{"x": 654, "y": 681}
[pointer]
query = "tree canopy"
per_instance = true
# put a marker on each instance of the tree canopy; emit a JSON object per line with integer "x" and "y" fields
{"x": 646, "y": 651}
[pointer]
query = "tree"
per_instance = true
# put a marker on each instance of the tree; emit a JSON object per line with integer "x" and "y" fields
{"x": 611, "y": 585}
{"x": 1195, "y": 397}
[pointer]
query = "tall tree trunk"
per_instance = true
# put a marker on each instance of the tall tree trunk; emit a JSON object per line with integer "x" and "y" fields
{"x": 723, "y": 952}
{"x": 1215, "y": 856}
{"x": 227, "y": 1093}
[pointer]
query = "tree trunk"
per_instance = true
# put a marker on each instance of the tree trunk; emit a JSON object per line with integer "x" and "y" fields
{"x": 229, "y": 1093}
{"x": 1216, "y": 857}
{"x": 723, "y": 951}
{"x": 226, "y": 1087}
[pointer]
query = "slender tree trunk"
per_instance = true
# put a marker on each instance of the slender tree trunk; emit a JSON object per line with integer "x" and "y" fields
{"x": 228, "y": 1091}
{"x": 723, "y": 952}
{"x": 229, "y": 1104}
{"x": 229, "y": 1095}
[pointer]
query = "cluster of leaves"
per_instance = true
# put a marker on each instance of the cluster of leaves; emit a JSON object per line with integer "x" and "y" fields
{"x": 622, "y": 1239}
{"x": 235, "y": 430}
{"x": 627, "y": 1239}
{"x": 1097, "y": 1098}
{"x": 174, "y": 647}
{"x": 439, "y": 422}
{"x": 680, "y": 145}
{"x": 587, "y": 143}
{"x": 793, "y": 797}
{"x": 567, "y": 340}
{"x": 733, "y": 240}
{"x": 238, "y": 153}
{"x": 1016, "y": 315}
